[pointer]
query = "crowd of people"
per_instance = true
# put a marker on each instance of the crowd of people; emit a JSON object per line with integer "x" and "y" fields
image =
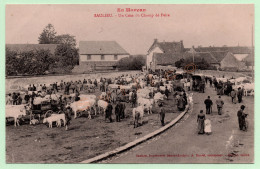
{"x": 221, "y": 89}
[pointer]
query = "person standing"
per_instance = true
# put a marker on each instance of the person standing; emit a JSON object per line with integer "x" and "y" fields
{"x": 68, "y": 112}
{"x": 14, "y": 97}
{"x": 188, "y": 84}
{"x": 162, "y": 113}
{"x": 134, "y": 97}
{"x": 167, "y": 92}
{"x": 239, "y": 95}
{"x": 208, "y": 102}
{"x": 118, "y": 111}
{"x": 19, "y": 99}
{"x": 220, "y": 104}
{"x": 122, "y": 115}
{"x": 233, "y": 95}
{"x": 109, "y": 112}
{"x": 241, "y": 117}
{"x": 181, "y": 103}
{"x": 200, "y": 120}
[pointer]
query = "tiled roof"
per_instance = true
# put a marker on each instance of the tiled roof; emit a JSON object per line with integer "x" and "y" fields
{"x": 249, "y": 58}
{"x": 101, "y": 47}
{"x": 170, "y": 47}
{"x": 28, "y": 47}
{"x": 219, "y": 55}
{"x": 230, "y": 61}
{"x": 198, "y": 56}
{"x": 166, "y": 59}
{"x": 234, "y": 50}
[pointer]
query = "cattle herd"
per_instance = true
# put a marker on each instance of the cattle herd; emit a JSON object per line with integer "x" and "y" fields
{"x": 56, "y": 101}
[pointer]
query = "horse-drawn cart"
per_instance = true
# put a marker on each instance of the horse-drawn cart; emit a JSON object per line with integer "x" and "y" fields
{"x": 44, "y": 107}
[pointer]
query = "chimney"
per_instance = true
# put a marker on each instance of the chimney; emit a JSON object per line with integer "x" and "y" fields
{"x": 155, "y": 40}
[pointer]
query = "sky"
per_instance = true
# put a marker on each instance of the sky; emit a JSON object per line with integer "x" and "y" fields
{"x": 205, "y": 25}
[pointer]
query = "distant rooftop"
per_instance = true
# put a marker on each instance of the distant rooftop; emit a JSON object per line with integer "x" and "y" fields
{"x": 101, "y": 47}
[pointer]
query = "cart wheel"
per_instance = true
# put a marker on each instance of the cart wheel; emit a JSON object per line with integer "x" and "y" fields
{"x": 48, "y": 113}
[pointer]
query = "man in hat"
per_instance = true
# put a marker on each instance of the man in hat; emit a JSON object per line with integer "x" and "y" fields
{"x": 118, "y": 111}
{"x": 134, "y": 97}
{"x": 241, "y": 117}
{"x": 239, "y": 95}
{"x": 233, "y": 95}
{"x": 220, "y": 104}
{"x": 162, "y": 113}
{"x": 167, "y": 92}
{"x": 208, "y": 102}
{"x": 109, "y": 112}
{"x": 14, "y": 97}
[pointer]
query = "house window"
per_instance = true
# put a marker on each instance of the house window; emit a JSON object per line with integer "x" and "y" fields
{"x": 89, "y": 57}
{"x": 115, "y": 57}
{"x": 102, "y": 57}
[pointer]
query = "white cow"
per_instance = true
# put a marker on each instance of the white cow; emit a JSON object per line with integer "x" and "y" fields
{"x": 169, "y": 87}
{"x": 102, "y": 104}
{"x": 39, "y": 100}
{"x": 144, "y": 93}
{"x": 103, "y": 96}
{"x": 138, "y": 113}
{"x": 87, "y": 97}
{"x": 15, "y": 111}
{"x": 85, "y": 105}
{"x": 55, "y": 118}
{"x": 162, "y": 88}
{"x": 146, "y": 103}
{"x": 159, "y": 96}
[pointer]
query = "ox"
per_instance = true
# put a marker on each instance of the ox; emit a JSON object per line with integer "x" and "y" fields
{"x": 102, "y": 104}
{"x": 138, "y": 114}
{"x": 85, "y": 105}
{"x": 159, "y": 96}
{"x": 16, "y": 112}
{"x": 146, "y": 103}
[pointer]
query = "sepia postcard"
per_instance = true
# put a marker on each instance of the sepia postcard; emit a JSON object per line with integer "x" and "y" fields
{"x": 129, "y": 83}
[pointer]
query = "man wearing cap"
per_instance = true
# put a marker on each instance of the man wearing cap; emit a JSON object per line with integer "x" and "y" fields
{"x": 167, "y": 92}
{"x": 220, "y": 104}
{"x": 162, "y": 113}
{"x": 208, "y": 102}
{"x": 241, "y": 117}
{"x": 109, "y": 112}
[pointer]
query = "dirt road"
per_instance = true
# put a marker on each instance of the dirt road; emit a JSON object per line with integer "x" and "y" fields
{"x": 182, "y": 144}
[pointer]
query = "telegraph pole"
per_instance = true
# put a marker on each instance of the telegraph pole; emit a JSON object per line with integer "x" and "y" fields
{"x": 253, "y": 54}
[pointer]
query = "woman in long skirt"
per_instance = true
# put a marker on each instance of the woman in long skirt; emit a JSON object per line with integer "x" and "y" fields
{"x": 200, "y": 120}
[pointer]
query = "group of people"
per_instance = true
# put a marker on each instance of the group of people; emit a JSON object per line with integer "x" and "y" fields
{"x": 119, "y": 111}
{"x": 222, "y": 88}
{"x": 219, "y": 102}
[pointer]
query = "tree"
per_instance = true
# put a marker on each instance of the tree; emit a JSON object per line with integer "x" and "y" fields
{"x": 66, "y": 39}
{"x": 68, "y": 56}
{"x": 138, "y": 62}
{"x": 131, "y": 63}
{"x": 11, "y": 62}
{"x": 48, "y": 35}
{"x": 179, "y": 63}
{"x": 124, "y": 63}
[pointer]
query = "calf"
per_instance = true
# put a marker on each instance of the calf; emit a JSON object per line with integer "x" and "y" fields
{"x": 55, "y": 118}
